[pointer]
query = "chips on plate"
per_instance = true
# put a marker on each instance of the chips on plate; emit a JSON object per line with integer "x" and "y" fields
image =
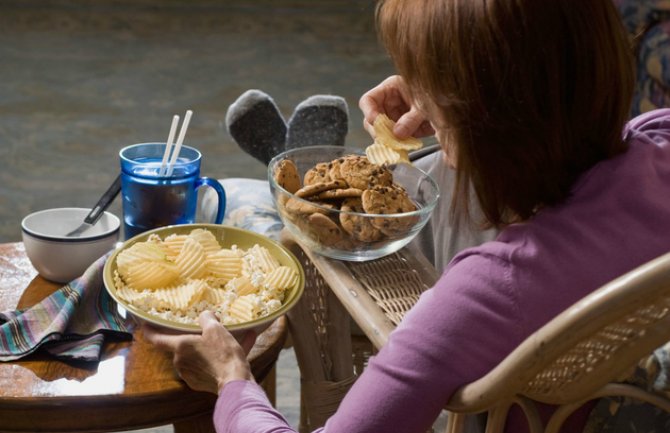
{"x": 178, "y": 277}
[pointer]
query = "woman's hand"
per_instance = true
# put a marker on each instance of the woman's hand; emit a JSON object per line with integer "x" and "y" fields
{"x": 207, "y": 361}
{"x": 391, "y": 97}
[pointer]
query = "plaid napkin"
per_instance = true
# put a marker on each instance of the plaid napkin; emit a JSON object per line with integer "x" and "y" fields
{"x": 70, "y": 324}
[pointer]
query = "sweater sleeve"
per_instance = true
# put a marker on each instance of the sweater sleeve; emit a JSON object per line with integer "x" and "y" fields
{"x": 654, "y": 124}
{"x": 456, "y": 332}
{"x": 242, "y": 406}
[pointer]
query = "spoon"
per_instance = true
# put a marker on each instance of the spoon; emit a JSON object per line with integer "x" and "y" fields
{"x": 99, "y": 208}
{"x": 417, "y": 154}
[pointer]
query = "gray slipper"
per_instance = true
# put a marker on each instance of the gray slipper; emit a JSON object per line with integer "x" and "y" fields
{"x": 318, "y": 120}
{"x": 255, "y": 123}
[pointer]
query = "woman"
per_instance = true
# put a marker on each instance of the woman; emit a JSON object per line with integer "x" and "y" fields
{"x": 528, "y": 100}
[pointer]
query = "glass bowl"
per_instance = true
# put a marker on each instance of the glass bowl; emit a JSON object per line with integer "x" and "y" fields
{"x": 342, "y": 229}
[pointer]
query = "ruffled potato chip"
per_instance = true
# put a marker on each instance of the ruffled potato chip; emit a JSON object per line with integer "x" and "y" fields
{"x": 260, "y": 260}
{"x": 217, "y": 296}
{"x": 206, "y": 239}
{"x": 241, "y": 286}
{"x": 384, "y": 135}
{"x": 151, "y": 274}
{"x": 173, "y": 245}
{"x": 140, "y": 252}
{"x": 191, "y": 259}
{"x": 132, "y": 296}
{"x": 281, "y": 278}
{"x": 225, "y": 264}
{"x": 244, "y": 308}
{"x": 380, "y": 154}
{"x": 180, "y": 297}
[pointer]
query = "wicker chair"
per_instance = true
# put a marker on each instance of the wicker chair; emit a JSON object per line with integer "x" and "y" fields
{"x": 576, "y": 357}
{"x": 579, "y": 355}
{"x": 330, "y": 348}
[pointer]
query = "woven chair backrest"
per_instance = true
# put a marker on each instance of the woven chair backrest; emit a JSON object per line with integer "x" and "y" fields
{"x": 590, "y": 344}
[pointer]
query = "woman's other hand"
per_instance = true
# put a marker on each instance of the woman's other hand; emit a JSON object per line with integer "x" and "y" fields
{"x": 207, "y": 361}
{"x": 391, "y": 97}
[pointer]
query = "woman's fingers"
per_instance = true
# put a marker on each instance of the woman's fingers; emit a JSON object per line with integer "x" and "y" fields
{"x": 162, "y": 340}
{"x": 387, "y": 97}
{"x": 391, "y": 97}
{"x": 209, "y": 360}
{"x": 207, "y": 319}
{"x": 412, "y": 123}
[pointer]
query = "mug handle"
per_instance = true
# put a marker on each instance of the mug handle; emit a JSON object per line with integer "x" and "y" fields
{"x": 213, "y": 183}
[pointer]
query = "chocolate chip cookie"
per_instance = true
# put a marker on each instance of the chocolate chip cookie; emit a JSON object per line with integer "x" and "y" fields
{"x": 358, "y": 226}
{"x": 303, "y": 207}
{"x": 360, "y": 173}
{"x": 325, "y": 230}
{"x": 389, "y": 200}
{"x": 316, "y": 188}
{"x": 286, "y": 175}
{"x": 317, "y": 174}
{"x": 337, "y": 194}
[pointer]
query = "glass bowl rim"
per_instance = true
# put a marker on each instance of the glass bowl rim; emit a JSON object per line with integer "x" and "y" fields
{"x": 427, "y": 208}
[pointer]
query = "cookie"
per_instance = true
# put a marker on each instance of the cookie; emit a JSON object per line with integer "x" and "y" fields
{"x": 358, "y": 226}
{"x": 336, "y": 194}
{"x": 389, "y": 200}
{"x": 334, "y": 168}
{"x": 360, "y": 173}
{"x": 348, "y": 243}
{"x": 325, "y": 230}
{"x": 316, "y": 188}
{"x": 303, "y": 207}
{"x": 286, "y": 175}
{"x": 317, "y": 174}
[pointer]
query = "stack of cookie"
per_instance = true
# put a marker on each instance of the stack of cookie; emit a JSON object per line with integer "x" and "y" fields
{"x": 348, "y": 203}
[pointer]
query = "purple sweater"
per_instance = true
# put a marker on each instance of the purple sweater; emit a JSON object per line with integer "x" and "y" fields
{"x": 491, "y": 297}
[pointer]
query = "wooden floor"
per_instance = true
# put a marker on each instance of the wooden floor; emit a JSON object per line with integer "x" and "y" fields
{"x": 81, "y": 79}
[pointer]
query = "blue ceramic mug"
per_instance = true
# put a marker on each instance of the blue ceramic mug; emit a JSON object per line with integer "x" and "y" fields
{"x": 151, "y": 200}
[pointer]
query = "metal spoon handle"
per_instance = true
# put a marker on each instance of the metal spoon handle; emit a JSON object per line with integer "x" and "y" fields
{"x": 417, "y": 154}
{"x": 104, "y": 201}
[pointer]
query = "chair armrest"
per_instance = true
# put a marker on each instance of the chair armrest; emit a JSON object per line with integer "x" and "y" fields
{"x": 376, "y": 293}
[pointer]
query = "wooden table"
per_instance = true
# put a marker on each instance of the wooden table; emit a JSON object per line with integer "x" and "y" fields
{"x": 133, "y": 387}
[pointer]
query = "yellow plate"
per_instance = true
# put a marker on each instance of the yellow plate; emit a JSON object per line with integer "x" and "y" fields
{"x": 227, "y": 236}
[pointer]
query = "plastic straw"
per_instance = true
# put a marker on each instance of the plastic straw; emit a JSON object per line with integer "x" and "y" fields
{"x": 168, "y": 145}
{"x": 180, "y": 140}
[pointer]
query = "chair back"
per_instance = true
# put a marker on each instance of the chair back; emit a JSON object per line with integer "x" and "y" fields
{"x": 577, "y": 354}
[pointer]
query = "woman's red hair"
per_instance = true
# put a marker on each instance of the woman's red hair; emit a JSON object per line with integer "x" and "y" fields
{"x": 532, "y": 92}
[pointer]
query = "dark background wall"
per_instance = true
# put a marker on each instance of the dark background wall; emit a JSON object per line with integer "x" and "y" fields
{"x": 81, "y": 79}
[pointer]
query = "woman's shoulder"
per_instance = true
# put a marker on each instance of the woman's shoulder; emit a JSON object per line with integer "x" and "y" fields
{"x": 485, "y": 269}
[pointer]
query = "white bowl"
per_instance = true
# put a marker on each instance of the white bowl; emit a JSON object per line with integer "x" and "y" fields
{"x": 60, "y": 258}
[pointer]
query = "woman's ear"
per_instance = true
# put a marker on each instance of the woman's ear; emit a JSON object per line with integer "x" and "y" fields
{"x": 318, "y": 120}
{"x": 255, "y": 123}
